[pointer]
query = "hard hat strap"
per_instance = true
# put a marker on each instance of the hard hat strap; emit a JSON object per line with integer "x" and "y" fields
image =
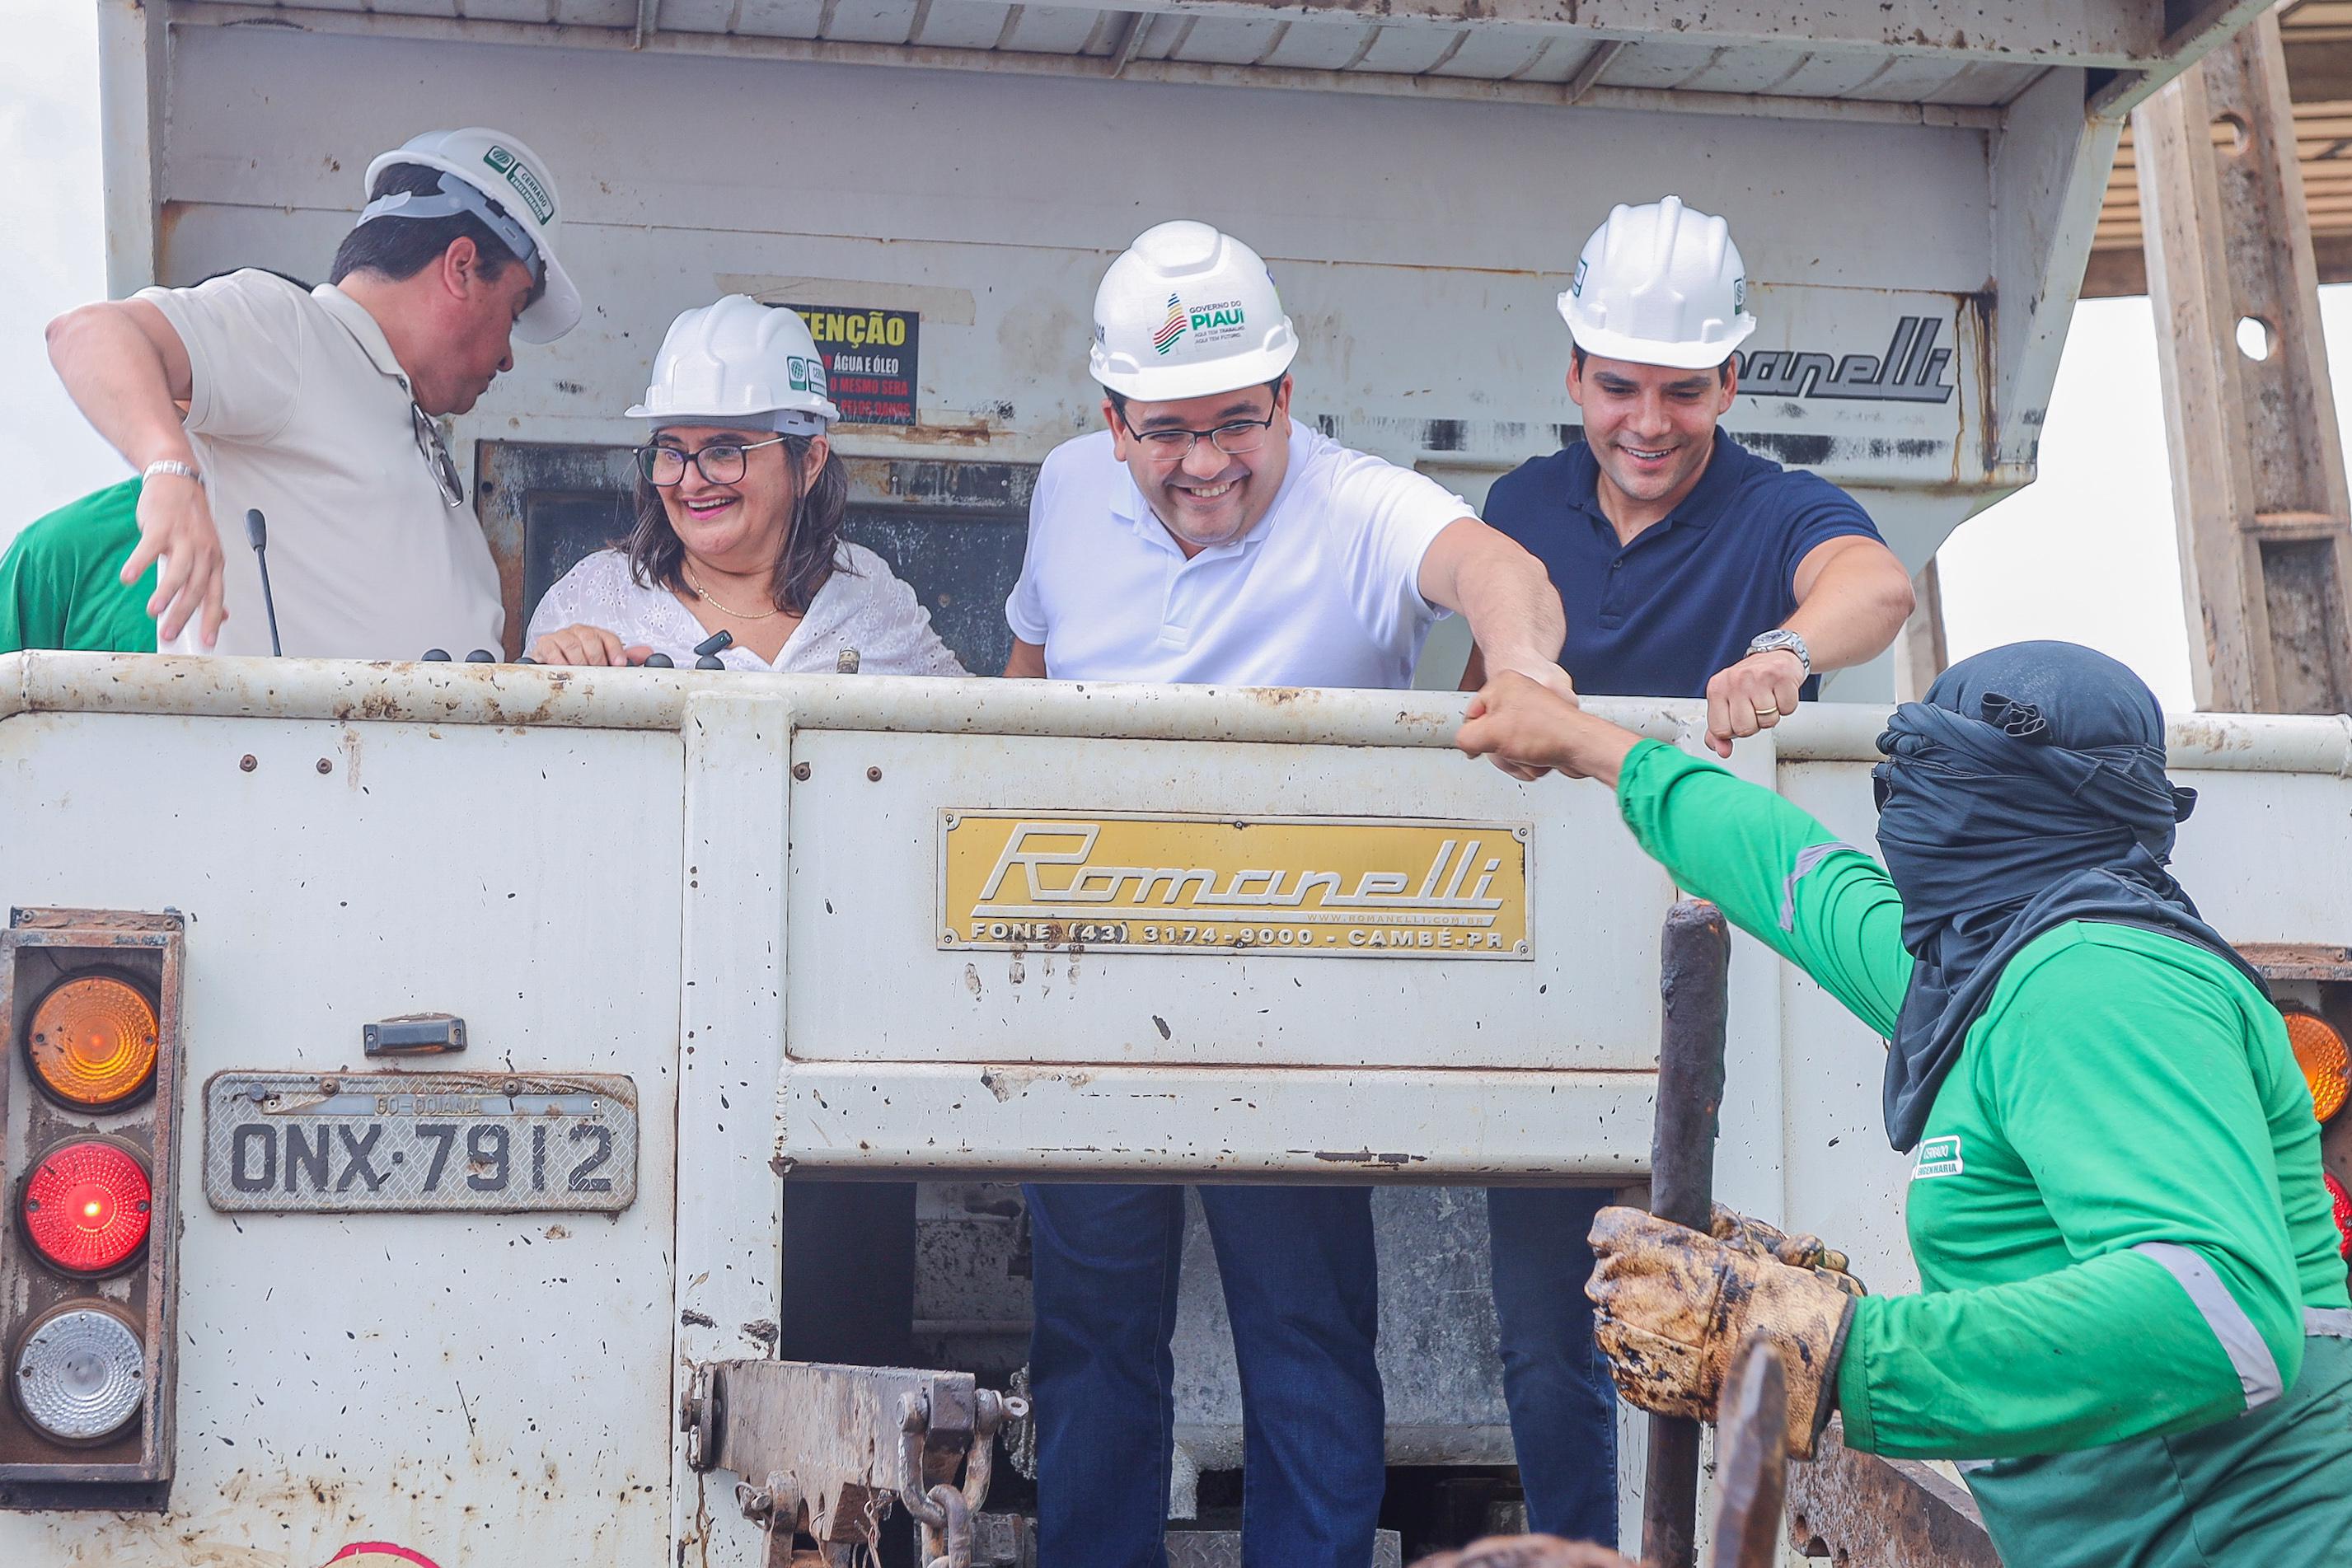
{"x": 459, "y": 196}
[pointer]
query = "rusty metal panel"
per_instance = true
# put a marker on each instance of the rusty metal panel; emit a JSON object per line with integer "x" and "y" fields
{"x": 420, "y": 1143}
{"x": 2298, "y": 960}
{"x": 844, "y": 1439}
{"x": 1891, "y": 1514}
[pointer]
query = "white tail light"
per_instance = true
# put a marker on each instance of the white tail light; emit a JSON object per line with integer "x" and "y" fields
{"x": 79, "y": 1374}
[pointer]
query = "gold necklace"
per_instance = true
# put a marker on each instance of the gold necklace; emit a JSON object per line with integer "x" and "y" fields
{"x": 704, "y": 594}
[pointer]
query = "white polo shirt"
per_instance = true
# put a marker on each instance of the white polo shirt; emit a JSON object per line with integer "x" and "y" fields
{"x": 300, "y": 409}
{"x": 1324, "y": 592}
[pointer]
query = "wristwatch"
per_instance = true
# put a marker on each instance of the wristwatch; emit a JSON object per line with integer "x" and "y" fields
{"x": 171, "y": 467}
{"x": 1784, "y": 638}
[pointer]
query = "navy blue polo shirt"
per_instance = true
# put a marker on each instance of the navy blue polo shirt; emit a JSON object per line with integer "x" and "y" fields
{"x": 1660, "y": 616}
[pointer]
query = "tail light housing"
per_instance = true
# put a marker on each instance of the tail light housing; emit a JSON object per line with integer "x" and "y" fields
{"x": 89, "y": 1112}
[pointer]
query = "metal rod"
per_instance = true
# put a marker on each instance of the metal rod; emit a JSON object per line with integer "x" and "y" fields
{"x": 1752, "y": 1459}
{"x": 1695, "y": 958}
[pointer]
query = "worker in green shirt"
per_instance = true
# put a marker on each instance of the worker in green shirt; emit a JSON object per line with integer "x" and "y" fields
{"x": 2134, "y": 1334}
{"x": 61, "y": 581}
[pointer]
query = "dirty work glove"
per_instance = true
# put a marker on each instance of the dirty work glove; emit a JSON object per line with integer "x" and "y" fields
{"x": 1673, "y": 1306}
{"x": 1799, "y": 1249}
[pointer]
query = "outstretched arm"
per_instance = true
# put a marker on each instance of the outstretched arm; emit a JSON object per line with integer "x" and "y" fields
{"x": 1503, "y": 593}
{"x": 1775, "y": 872}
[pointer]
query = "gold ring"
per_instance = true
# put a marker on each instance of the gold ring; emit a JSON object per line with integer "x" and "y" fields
{"x": 1765, "y": 712}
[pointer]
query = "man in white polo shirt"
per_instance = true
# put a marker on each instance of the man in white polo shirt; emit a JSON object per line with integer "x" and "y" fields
{"x": 1207, "y": 536}
{"x": 317, "y": 409}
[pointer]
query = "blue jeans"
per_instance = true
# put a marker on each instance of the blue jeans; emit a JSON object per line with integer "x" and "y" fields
{"x": 1301, "y": 1288}
{"x": 1563, "y": 1406}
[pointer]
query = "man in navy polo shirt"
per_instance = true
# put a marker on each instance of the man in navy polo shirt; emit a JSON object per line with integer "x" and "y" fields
{"x": 1688, "y": 566}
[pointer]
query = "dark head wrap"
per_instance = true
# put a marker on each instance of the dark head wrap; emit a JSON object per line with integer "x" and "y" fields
{"x": 2028, "y": 791}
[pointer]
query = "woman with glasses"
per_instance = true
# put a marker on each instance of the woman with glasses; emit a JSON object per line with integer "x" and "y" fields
{"x": 740, "y": 501}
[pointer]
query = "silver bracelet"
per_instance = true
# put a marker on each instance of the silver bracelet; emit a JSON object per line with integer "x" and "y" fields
{"x": 171, "y": 467}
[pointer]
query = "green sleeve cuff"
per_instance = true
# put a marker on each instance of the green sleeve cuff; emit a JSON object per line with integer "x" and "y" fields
{"x": 1854, "y": 1379}
{"x": 1641, "y": 777}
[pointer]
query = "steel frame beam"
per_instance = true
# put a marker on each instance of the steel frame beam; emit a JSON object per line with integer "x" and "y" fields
{"x": 133, "y": 56}
{"x": 2119, "y": 35}
{"x": 2258, "y": 473}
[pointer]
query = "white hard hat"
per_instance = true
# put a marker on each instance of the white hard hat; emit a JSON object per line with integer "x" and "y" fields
{"x": 495, "y": 165}
{"x": 1659, "y": 284}
{"x": 738, "y": 362}
{"x": 1185, "y": 312}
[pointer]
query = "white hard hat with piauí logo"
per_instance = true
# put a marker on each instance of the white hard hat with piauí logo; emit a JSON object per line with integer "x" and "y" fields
{"x": 1188, "y": 312}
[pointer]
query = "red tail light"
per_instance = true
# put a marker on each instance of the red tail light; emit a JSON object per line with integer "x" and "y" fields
{"x": 87, "y": 1206}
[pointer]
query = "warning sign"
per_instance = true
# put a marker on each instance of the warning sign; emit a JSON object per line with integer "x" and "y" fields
{"x": 869, "y": 360}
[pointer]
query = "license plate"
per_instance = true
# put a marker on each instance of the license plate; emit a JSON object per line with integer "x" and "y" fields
{"x": 402, "y": 1143}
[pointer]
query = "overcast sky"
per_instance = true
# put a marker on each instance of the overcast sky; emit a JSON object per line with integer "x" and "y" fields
{"x": 2087, "y": 553}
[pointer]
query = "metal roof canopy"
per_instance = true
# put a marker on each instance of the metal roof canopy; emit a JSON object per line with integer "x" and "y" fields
{"x": 1914, "y": 60}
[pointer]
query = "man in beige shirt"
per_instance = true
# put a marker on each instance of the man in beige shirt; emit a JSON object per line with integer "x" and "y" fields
{"x": 317, "y": 409}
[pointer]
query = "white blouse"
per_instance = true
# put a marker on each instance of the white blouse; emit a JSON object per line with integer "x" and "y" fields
{"x": 863, "y": 606}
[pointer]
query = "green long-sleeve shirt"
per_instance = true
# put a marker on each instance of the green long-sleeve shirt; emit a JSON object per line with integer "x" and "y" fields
{"x": 2117, "y": 1209}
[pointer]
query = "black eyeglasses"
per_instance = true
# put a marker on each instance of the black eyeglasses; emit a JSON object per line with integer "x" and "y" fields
{"x": 1234, "y": 439}
{"x": 722, "y": 462}
{"x": 435, "y": 453}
